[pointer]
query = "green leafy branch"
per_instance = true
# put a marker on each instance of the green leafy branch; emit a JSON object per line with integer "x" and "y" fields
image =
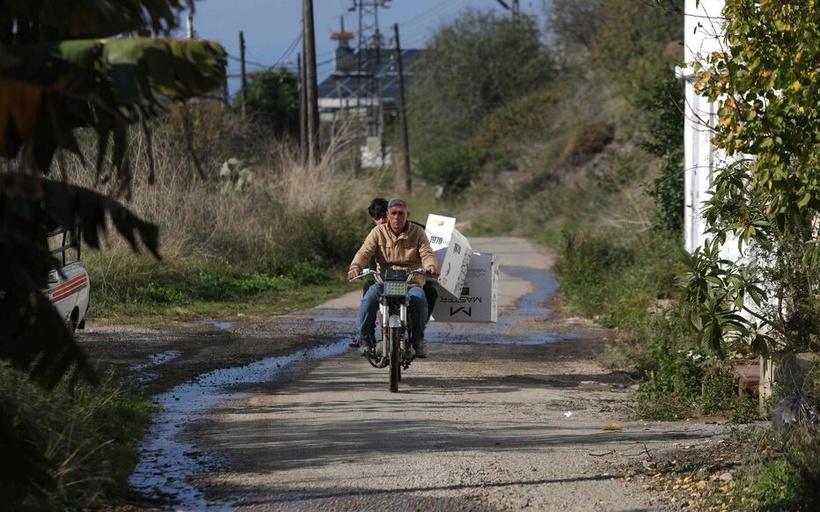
{"x": 724, "y": 300}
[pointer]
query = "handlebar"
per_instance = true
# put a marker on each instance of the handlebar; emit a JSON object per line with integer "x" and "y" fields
{"x": 369, "y": 271}
{"x": 366, "y": 272}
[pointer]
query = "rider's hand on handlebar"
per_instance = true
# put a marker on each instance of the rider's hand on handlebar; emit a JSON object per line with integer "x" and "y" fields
{"x": 432, "y": 270}
{"x": 353, "y": 273}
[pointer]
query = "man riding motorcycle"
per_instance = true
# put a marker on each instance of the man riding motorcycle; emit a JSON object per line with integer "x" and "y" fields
{"x": 400, "y": 245}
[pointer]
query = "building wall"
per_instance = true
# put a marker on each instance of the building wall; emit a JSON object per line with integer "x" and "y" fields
{"x": 703, "y": 34}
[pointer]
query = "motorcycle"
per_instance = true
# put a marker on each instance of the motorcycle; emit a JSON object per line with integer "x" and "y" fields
{"x": 394, "y": 349}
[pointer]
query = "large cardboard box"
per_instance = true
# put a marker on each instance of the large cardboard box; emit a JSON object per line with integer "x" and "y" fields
{"x": 478, "y": 301}
{"x": 452, "y": 250}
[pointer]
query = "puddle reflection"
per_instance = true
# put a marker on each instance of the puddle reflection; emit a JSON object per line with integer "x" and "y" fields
{"x": 165, "y": 461}
{"x": 512, "y": 327}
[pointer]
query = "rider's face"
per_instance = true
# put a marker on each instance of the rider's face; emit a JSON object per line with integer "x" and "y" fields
{"x": 397, "y": 218}
{"x": 380, "y": 220}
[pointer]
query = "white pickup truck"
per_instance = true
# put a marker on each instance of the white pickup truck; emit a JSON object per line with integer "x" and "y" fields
{"x": 68, "y": 286}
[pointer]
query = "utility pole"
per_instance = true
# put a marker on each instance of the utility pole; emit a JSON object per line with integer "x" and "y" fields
{"x": 512, "y": 6}
{"x": 243, "y": 72}
{"x": 311, "y": 85}
{"x": 303, "y": 138}
{"x": 403, "y": 112}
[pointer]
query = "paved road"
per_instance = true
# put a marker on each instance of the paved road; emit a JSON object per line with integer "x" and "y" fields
{"x": 513, "y": 422}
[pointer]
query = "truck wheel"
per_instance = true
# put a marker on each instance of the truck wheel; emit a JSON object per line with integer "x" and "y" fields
{"x": 73, "y": 321}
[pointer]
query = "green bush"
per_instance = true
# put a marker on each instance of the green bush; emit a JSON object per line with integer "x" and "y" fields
{"x": 801, "y": 448}
{"x": 469, "y": 68}
{"x": 745, "y": 409}
{"x": 780, "y": 471}
{"x": 620, "y": 281}
{"x": 455, "y": 169}
{"x": 617, "y": 279}
{"x": 681, "y": 379}
{"x": 718, "y": 390}
{"x": 310, "y": 273}
{"x": 684, "y": 383}
{"x": 587, "y": 268}
{"x": 773, "y": 487}
{"x": 526, "y": 120}
{"x": 149, "y": 285}
{"x": 311, "y": 246}
{"x": 665, "y": 102}
{"x": 670, "y": 391}
{"x": 76, "y": 445}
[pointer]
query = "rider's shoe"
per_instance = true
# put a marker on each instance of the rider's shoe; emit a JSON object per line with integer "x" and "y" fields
{"x": 421, "y": 349}
{"x": 366, "y": 345}
{"x": 409, "y": 352}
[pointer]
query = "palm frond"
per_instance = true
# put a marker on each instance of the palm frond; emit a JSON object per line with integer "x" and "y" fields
{"x": 52, "y": 20}
{"x": 53, "y": 89}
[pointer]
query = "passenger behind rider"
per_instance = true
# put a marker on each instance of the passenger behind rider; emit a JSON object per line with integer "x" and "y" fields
{"x": 402, "y": 245}
{"x": 378, "y": 212}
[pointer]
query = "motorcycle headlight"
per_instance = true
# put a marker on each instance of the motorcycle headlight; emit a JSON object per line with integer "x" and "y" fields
{"x": 395, "y": 288}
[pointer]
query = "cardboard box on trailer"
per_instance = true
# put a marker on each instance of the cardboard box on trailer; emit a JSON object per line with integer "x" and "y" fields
{"x": 452, "y": 250}
{"x": 478, "y": 301}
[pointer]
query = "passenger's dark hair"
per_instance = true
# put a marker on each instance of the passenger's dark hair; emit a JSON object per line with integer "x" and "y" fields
{"x": 377, "y": 208}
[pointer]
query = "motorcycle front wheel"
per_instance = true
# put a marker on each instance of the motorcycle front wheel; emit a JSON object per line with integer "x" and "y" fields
{"x": 395, "y": 361}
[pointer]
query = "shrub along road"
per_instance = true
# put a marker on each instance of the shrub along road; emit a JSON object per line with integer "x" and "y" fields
{"x": 525, "y": 418}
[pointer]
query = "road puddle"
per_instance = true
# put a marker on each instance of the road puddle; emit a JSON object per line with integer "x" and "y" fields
{"x": 143, "y": 370}
{"x": 513, "y": 327}
{"x": 166, "y": 461}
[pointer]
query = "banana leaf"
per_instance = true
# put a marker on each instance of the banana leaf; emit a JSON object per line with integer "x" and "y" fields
{"x": 54, "y": 20}
{"x": 52, "y": 89}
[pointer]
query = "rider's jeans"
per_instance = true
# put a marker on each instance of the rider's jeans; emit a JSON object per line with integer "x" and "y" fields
{"x": 369, "y": 307}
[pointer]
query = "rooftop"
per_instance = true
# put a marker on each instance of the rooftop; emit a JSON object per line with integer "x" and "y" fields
{"x": 348, "y": 82}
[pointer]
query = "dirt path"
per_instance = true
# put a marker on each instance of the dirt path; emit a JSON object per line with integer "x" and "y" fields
{"x": 527, "y": 419}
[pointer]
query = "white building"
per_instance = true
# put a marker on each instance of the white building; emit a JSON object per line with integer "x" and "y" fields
{"x": 703, "y": 34}
{"x": 365, "y": 84}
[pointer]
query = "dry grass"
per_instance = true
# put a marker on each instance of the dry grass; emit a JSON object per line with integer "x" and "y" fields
{"x": 285, "y": 199}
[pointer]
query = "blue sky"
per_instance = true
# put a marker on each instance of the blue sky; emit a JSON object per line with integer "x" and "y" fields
{"x": 272, "y": 27}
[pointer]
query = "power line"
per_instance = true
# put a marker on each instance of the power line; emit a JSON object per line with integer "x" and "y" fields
{"x": 290, "y": 49}
{"x": 425, "y": 14}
